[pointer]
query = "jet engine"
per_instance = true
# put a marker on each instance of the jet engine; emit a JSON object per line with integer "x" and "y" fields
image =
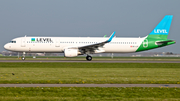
{"x": 70, "y": 52}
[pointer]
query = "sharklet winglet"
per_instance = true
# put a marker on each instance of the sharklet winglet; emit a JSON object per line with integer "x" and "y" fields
{"x": 111, "y": 37}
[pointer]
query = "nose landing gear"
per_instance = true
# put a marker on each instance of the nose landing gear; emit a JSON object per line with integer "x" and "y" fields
{"x": 88, "y": 58}
{"x": 23, "y": 58}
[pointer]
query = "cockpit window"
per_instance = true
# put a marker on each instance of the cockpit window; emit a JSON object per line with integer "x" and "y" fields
{"x": 12, "y": 41}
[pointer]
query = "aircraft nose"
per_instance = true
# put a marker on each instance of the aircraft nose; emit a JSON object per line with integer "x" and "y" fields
{"x": 6, "y": 46}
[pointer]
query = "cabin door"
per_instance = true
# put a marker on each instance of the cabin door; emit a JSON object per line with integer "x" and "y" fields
{"x": 23, "y": 42}
{"x": 57, "y": 43}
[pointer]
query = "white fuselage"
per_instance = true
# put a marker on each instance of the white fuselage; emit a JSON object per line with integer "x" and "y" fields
{"x": 58, "y": 44}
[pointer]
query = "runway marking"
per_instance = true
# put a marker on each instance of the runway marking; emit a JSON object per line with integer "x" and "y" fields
{"x": 91, "y": 85}
{"x": 76, "y": 61}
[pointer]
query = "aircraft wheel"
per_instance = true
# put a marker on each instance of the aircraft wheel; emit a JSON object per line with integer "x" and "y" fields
{"x": 23, "y": 58}
{"x": 88, "y": 58}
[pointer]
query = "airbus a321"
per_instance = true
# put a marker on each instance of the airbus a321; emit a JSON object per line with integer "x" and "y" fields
{"x": 74, "y": 46}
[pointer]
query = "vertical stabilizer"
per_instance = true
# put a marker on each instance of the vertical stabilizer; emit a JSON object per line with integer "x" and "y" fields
{"x": 161, "y": 31}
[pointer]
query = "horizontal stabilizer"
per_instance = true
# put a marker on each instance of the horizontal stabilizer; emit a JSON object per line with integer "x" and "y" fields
{"x": 161, "y": 42}
{"x": 165, "y": 42}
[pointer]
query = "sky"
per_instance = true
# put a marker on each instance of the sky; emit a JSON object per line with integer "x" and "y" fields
{"x": 87, "y": 18}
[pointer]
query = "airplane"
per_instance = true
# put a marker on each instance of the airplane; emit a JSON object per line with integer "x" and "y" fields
{"x": 75, "y": 46}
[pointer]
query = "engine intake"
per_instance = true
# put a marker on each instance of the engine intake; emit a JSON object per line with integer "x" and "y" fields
{"x": 70, "y": 52}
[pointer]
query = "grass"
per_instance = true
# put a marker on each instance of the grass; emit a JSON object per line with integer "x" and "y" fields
{"x": 90, "y": 73}
{"x": 87, "y": 94}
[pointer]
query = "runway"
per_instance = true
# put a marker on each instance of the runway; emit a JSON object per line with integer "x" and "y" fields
{"x": 96, "y": 61}
{"x": 91, "y": 85}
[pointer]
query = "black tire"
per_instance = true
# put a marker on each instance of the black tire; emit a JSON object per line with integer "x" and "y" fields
{"x": 88, "y": 58}
{"x": 23, "y": 58}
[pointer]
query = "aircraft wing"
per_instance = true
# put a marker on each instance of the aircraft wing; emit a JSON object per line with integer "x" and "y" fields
{"x": 93, "y": 47}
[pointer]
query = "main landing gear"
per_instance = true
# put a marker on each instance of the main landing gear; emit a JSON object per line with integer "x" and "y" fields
{"x": 23, "y": 58}
{"x": 88, "y": 58}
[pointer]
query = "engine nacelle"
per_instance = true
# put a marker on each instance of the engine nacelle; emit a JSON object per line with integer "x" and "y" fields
{"x": 70, "y": 52}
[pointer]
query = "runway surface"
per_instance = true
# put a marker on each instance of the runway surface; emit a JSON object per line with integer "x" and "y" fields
{"x": 99, "y": 61}
{"x": 91, "y": 85}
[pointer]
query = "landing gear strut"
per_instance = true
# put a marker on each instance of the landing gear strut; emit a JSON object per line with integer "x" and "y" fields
{"x": 88, "y": 58}
{"x": 23, "y": 58}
